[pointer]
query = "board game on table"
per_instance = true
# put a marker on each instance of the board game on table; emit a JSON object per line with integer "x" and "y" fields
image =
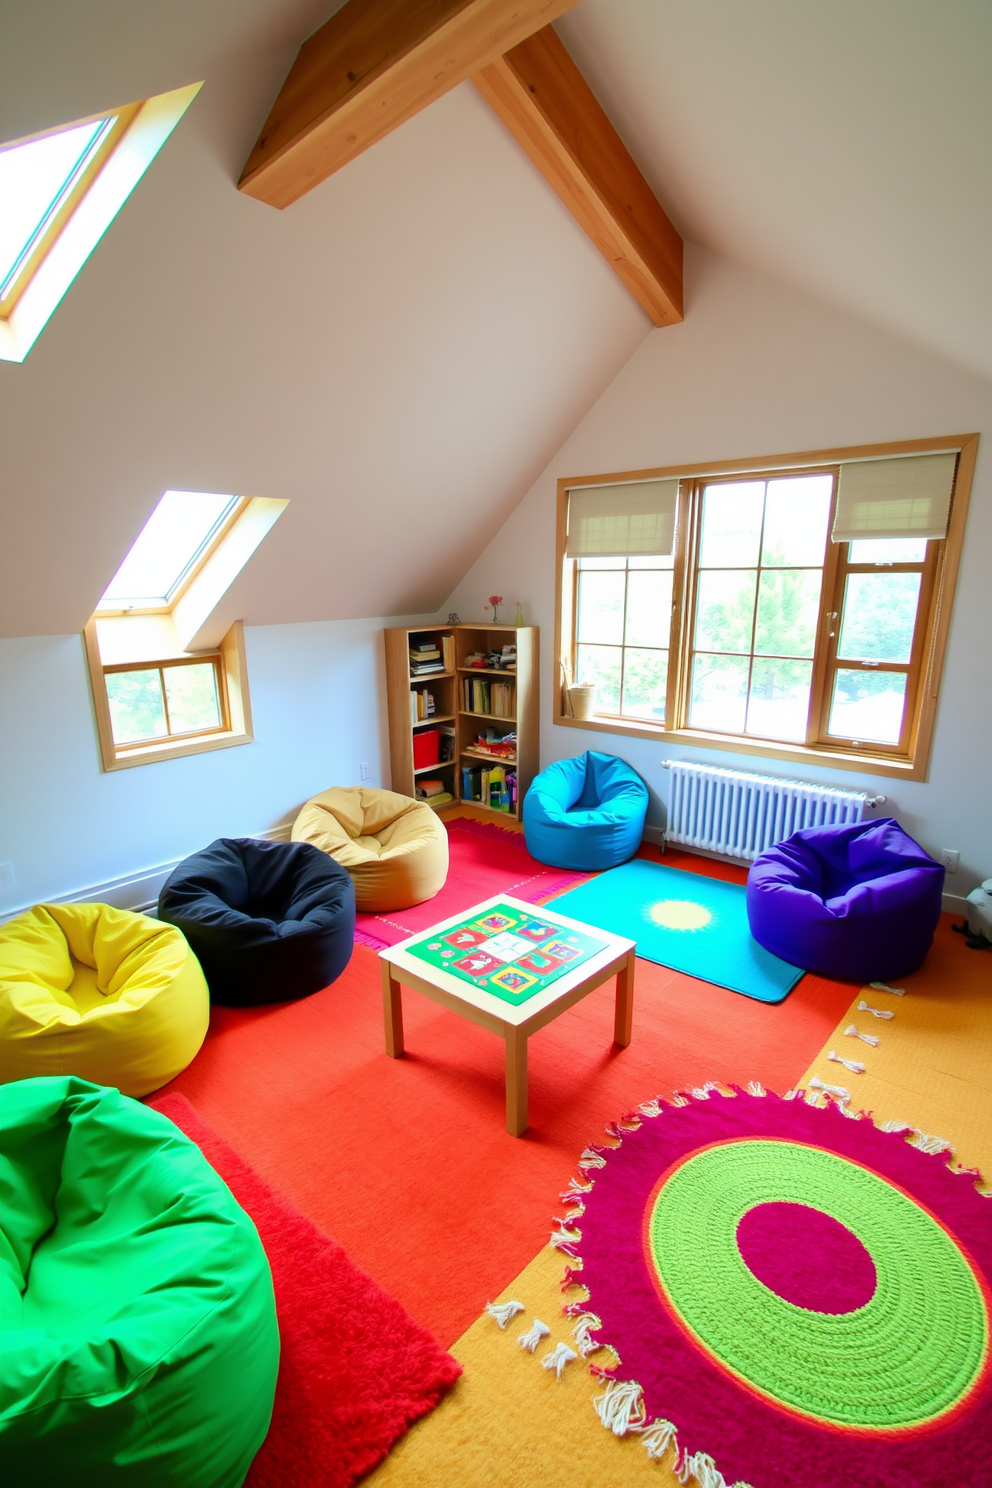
{"x": 511, "y": 967}
{"x": 514, "y": 953}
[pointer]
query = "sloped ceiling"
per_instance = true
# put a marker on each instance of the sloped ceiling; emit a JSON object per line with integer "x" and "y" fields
{"x": 401, "y": 352}
{"x": 841, "y": 146}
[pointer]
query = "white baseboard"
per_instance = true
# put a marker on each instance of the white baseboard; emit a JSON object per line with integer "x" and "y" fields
{"x": 137, "y": 891}
{"x": 951, "y": 903}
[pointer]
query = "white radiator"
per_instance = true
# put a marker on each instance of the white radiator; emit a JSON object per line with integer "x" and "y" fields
{"x": 739, "y": 815}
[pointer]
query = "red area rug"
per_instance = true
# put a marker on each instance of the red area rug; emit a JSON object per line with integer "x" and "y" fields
{"x": 355, "y": 1370}
{"x": 484, "y": 860}
{"x": 794, "y": 1294}
{"x": 407, "y": 1162}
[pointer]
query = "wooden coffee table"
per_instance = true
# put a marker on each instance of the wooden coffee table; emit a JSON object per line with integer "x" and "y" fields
{"x": 511, "y": 988}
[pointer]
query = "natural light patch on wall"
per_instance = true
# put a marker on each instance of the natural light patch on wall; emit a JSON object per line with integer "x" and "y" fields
{"x": 163, "y": 683}
{"x": 59, "y": 192}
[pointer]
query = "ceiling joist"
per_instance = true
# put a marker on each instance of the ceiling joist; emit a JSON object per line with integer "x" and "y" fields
{"x": 368, "y": 69}
{"x": 549, "y": 108}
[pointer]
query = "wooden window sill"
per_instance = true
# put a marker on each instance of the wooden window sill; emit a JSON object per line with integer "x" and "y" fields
{"x": 147, "y": 754}
{"x": 833, "y": 759}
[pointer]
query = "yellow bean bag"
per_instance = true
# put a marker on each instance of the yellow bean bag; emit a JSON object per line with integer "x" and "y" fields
{"x": 88, "y": 990}
{"x": 395, "y": 849}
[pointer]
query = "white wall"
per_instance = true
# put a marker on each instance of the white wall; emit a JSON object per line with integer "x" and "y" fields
{"x": 318, "y": 700}
{"x": 756, "y": 369}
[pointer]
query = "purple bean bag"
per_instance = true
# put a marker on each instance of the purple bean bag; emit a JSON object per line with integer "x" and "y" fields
{"x": 857, "y": 903}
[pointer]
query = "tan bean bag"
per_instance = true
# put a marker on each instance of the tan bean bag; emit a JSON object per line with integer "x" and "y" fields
{"x": 395, "y": 849}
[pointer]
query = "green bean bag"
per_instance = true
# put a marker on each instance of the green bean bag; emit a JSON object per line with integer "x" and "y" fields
{"x": 140, "y": 1343}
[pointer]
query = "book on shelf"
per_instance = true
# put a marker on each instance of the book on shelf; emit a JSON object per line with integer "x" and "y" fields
{"x": 421, "y": 705}
{"x": 498, "y": 699}
{"x": 448, "y": 652}
{"x": 425, "y": 668}
{"x": 494, "y": 786}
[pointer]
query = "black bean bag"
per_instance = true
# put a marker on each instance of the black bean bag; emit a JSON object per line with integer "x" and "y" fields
{"x": 269, "y": 921}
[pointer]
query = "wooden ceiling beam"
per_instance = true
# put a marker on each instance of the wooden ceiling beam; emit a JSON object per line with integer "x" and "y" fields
{"x": 368, "y": 69}
{"x": 549, "y": 108}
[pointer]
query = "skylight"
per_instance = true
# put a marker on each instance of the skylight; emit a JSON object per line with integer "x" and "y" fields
{"x": 59, "y": 192}
{"x": 36, "y": 179}
{"x": 167, "y": 549}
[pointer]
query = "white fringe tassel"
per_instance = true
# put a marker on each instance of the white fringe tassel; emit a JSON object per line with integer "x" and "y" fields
{"x": 657, "y": 1438}
{"x": 705, "y": 1472}
{"x": 854, "y": 1065}
{"x": 651, "y": 1107}
{"x": 504, "y": 1311}
{"x": 853, "y": 1031}
{"x": 875, "y": 1012}
{"x": 621, "y": 1406}
{"x": 755, "y": 1087}
{"x": 836, "y": 1090}
{"x": 560, "y": 1355}
{"x": 590, "y": 1159}
{"x": 563, "y": 1237}
{"x": 926, "y": 1143}
{"x": 881, "y": 987}
{"x": 533, "y": 1336}
{"x": 580, "y": 1333}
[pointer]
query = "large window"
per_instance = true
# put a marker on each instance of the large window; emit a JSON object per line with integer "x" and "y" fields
{"x": 773, "y": 626}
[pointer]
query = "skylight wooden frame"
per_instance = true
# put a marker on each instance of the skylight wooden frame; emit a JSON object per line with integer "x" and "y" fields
{"x": 911, "y": 765}
{"x": 192, "y": 570}
{"x": 76, "y": 233}
{"x": 123, "y": 119}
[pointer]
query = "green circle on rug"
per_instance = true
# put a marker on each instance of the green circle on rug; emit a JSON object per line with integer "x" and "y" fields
{"x": 906, "y": 1357}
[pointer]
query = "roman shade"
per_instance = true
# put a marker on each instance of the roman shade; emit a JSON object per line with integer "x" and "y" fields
{"x": 628, "y": 519}
{"x": 905, "y": 497}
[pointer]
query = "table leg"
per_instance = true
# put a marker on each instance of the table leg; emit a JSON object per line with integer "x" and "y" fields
{"x": 623, "y": 1018}
{"x": 392, "y": 1007}
{"x": 516, "y": 1082}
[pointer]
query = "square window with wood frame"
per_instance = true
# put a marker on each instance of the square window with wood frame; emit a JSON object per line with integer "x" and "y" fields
{"x": 165, "y": 681}
{"x": 795, "y": 609}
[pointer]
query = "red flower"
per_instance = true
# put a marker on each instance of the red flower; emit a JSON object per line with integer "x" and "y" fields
{"x": 495, "y": 599}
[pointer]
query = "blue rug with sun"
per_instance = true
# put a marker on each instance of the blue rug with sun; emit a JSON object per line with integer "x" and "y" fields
{"x": 692, "y": 923}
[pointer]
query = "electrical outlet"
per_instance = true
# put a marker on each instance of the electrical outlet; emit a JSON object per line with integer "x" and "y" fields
{"x": 365, "y": 769}
{"x": 950, "y": 859}
{"x": 8, "y": 879}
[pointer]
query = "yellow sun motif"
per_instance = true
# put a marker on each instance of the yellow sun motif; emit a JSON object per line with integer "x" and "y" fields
{"x": 679, "y": 914}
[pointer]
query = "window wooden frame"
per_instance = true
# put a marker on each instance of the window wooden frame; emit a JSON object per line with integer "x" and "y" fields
{"x": 235, "y": 704}
{"x": 910, "y": 758}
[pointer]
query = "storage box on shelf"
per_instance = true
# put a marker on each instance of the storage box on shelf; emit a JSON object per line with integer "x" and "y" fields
{"x": 482, "y": 707}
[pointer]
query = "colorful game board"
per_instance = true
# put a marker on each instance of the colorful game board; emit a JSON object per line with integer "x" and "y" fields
{"x": 511, "y": 953}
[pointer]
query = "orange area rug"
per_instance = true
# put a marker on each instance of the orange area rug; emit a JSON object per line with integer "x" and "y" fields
{"x": 406, "y": 1163}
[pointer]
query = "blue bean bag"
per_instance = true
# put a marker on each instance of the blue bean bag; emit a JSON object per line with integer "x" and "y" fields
{"x": 268, "y": 921}
{"x": 586, "y": 812}
{"x": 857, "y": 903}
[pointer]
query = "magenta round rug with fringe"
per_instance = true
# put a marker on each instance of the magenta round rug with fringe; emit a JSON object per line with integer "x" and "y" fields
{"x": 796, "y": 1297}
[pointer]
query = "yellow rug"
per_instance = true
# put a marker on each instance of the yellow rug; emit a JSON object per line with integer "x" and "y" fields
{"x": 511, "y": 1424}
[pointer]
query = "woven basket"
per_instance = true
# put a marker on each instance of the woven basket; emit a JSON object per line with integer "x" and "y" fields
{"x": 582, "y": 701}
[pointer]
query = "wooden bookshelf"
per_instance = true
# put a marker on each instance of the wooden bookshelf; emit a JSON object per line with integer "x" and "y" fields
{"x": 450, "y": 710}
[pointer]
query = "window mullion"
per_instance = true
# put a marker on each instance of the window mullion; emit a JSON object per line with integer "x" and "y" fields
{"x": 684, "y": 576}
{"x": 165, "y": 701}
{"x": 825, "y": 645}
